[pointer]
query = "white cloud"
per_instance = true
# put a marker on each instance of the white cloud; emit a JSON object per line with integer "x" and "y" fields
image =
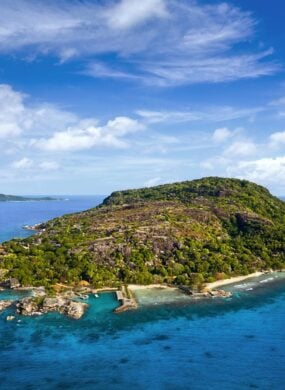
{"x": 221, "y": 134}
{"x": 11, "y": 112}
{"x": 277, "y": 139}
{"x": 241, "y": 148}
{"x": 205, "y": 69}
{"x": 86, "y": 135}
{"x": 129, "y": 13}
{"x": 97, "y": 69}
{"x": 168, "y": 116}
{"x": 210, "y": 114}
{"x": 160, "y": 42}
{"x": 264, "y": 170}
{"x": 24, "y": 163}
{"x": 17, "y": 117}
{"x": 51, "y": 129}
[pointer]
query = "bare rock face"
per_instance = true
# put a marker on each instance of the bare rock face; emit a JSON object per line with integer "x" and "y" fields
{"x": 5, "y": 304}
{"x": 75, "y": 309}
{"x": 53, "y": 304}
{"x": 251, "y": 221}
{"x": 11, "y": 283}
{"x": 38, "y": 292}
{"x": 28, "y": 307}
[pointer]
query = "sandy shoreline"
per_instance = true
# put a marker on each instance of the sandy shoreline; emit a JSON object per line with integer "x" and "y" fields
{"x": 134, "y": 287}
{"x": 234, "y": 279}
{"x": 209, "y": 286}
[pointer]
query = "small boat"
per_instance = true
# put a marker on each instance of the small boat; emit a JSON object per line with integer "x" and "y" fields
{"x": 96, "y": 295}
{"x": 83, "y": 296}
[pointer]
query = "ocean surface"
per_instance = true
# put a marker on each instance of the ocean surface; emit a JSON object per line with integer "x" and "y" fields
{"x": 14, "y": 215}
{"x": 175, "y": 343}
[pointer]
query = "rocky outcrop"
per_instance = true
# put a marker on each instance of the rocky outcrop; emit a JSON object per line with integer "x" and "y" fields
{"x": 220, "y": 293}
{"x": 75, "y": 309}
{"x": 11, "y": 283}
{"x": 28, "y": 306}
{"x": 5, "y": 304}
{"x": 53, "y": 304}
{"x": 37, "y": 227}
{"x": 31, "y": 306}
{"x": 65, "y": 306}
{"x": 251, "y": 221}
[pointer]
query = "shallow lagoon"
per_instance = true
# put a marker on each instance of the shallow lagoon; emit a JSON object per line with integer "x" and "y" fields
{"x": 236, "y": 343}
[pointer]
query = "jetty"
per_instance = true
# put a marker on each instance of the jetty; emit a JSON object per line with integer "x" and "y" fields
{"x": 126, "y": 300}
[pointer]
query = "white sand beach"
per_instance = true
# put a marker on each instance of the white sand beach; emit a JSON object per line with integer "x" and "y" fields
{"x": 234, "y": 279}
{"x": 134, "y": 287}
{"x": 210, "y": 286}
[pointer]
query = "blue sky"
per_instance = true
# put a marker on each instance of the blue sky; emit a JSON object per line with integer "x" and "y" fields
{"x": 102, "y": 95}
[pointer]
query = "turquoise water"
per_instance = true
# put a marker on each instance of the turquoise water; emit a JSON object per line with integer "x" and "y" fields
{"x": 218, "y": 344}
{"x": 236, "y": 343}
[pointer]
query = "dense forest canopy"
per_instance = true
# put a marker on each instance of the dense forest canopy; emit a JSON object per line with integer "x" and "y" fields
{"x": 183, "y": 233}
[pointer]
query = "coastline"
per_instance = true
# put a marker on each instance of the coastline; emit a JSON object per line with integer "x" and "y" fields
{"x": 208, "y": 286}
{"x": 65, "y": 302}
{"x": 134, "y": 287}
{"x": 234, "y": 279}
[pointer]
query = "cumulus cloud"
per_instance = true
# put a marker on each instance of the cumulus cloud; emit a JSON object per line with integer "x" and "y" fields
{"x": 277, "y": 139}
{"x": 221, "y": 134}
{"x": 17, "y": 117}
{"x": 241, "y": 148}
{"x": 86, "y": 135}
{"x": 262, "y": 170}
{"x": 24, "y": 163}
{"x": 12, "y": 111}
{"x": 160, "y": 42}
{"x": 49, "y": 128}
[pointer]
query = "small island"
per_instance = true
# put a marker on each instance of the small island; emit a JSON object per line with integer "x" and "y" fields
{"x": 15, "y": 198}
{"x": 192, "y": 235}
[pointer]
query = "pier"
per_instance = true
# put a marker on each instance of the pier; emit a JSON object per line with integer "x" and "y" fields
{"x": 127, "y": 301}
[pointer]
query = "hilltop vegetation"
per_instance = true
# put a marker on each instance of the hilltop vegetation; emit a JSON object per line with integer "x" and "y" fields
{"x": 182, "y": 233}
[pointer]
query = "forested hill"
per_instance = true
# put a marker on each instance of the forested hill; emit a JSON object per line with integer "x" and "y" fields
{"x": 15, "y": 198}
{"x": 216, "y": 190}
{"x": 182, "y": 233}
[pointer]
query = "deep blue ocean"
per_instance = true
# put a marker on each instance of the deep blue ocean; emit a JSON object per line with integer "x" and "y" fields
{"x": 14, "y": 215}
{"x": 233, "y": 344}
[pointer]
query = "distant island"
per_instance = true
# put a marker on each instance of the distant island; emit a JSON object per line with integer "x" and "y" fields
{"x": 15, "y": 198}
